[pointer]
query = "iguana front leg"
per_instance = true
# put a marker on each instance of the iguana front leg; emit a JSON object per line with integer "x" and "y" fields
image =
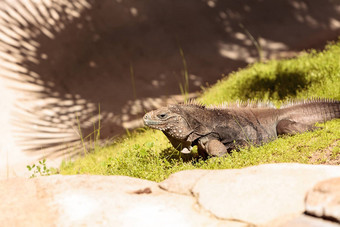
{"x": 212, "y": 147}
{"x": 183, "y": 146}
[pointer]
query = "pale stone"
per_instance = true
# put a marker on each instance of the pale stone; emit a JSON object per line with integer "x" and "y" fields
{"x": 98, "y": 201}
{"x": 182, "y": 182}
{"x": 266, "y": 195}
{"x": 259, "y": 194}
{"x": 324, "y": 199}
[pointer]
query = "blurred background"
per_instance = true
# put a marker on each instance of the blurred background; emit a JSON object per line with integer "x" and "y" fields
{"x": 68, "y": 68}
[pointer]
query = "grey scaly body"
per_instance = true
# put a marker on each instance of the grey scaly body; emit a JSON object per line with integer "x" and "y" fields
{"x": 217, "y": 130}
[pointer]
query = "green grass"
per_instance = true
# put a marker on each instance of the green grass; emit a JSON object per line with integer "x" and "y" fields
{"x": 314, "y": 74}
{"x": 148, "y": 155}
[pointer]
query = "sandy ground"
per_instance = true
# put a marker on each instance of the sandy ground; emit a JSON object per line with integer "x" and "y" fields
{"x": 65, "y": 64}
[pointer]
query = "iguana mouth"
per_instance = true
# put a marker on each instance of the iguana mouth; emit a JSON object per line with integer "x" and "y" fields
{"x": 148, "y": 121}
{"x": 151, "y": 122}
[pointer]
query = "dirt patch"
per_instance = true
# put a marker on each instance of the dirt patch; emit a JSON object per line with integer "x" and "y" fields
{"x": 328, "y": 156}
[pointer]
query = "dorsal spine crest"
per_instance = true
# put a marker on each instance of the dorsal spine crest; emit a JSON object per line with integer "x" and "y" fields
{"x": 293, "y": 102}
{"x": 235, "y": 104}
{"x": 256, "y": 103}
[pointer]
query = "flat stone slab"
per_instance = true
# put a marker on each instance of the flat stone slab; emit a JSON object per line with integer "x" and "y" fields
{"x": 82, "y": 200}
{"x": 324, "y": 200}
{"x": 258, "y": 195}
{"x": 266, "y": 195}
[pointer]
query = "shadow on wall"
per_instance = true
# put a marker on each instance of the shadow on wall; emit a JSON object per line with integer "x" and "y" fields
{"x": 66, "y": 58}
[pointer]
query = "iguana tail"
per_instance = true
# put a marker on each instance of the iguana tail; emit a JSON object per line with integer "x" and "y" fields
{"x": 302, "y": 116}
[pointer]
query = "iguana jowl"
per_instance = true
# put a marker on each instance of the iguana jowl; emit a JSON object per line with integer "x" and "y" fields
{"x": 217, "y": 130}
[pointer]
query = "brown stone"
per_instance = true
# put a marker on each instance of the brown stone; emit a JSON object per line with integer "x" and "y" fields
{"x": 324, "y": 199}
{"x": 308, "y": 221}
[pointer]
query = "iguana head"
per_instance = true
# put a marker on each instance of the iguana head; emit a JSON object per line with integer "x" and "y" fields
{"x": 170, "y": 120}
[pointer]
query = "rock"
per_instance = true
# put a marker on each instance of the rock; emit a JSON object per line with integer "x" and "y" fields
{"x": 182, "y": 182}
{"x": 309, "y": 221}
{"x": 97, "y": 201}
{"x": 324, "y": 200}
{"x": 267, "y": 195}
{"x": 260, "y": 195}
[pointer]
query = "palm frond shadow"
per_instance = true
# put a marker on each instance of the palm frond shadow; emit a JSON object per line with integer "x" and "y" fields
{"x": 43, "y": 118}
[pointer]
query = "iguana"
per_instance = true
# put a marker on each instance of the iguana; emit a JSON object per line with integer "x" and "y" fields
{"x": 218, "y": 130}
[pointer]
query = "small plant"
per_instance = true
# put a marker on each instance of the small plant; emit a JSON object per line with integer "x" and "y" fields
{"x": 144, "y": 151}
{"x": 86, "y": 142}
{"x": 184, "y": 87}
{"x": 254, "y": 41}
{"x": 39, "y": 169}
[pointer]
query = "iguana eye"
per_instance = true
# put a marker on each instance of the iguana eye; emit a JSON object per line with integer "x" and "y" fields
{"x": 162, "y": 115}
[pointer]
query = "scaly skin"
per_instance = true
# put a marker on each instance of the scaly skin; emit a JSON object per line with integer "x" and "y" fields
{"x": 218, "y": 130}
